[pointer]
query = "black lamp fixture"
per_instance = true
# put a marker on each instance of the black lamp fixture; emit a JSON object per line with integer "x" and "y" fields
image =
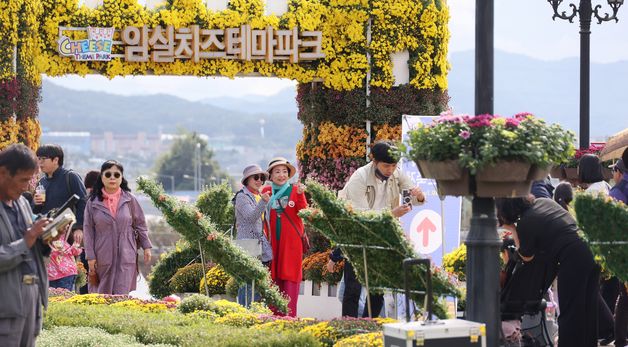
{"x": 585, "y": 13}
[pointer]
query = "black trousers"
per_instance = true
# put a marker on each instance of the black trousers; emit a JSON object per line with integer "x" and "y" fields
{"x": 621, "y": 317}
{"x": 609, "y": 289}
{"x": 605, "y": 323}
{"x": 83, "y": 289}
{"x": 578, "y": 296}
{"x": 351, "y": 297}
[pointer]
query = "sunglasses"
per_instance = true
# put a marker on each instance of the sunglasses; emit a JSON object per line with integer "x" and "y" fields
{"x": 259, "y": 177}
{"x": 108, "y": 174}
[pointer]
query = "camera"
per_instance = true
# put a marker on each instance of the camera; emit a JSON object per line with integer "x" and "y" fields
{"x": 406, "y": 198}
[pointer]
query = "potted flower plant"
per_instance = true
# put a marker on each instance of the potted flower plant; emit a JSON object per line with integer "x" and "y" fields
{"x": 494, "y": 156}
{"x": 569, "y": 169}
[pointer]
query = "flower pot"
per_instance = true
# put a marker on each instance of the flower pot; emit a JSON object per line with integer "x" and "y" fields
{"x": 450, "y": 178}
{"x": 571, "y": 173}
{"x": 505, "y": 179}
{"x": 557, "y": 172}
{"x": 538, "y": 173}
{"x": 485, "y": 189}
{"x": 440, "y": 170}
{"x": 454, "y": 187}
{"x": 504, "y": 171}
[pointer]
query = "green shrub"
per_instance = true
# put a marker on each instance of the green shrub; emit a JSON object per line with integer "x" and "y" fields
{"x": 166, "y": 267}
{"x": 217, "y": 279}
{"x": 187, "y": 279}
{"x": 167, "y": 327}
{"x": 86, "y": 337}
{"x": 215, "y": 203}
{"x": 603, "y": 220}
{"x": 196, "y": 302}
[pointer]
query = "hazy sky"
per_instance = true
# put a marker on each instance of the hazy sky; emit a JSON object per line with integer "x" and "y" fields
{"x": 521, "y": 26}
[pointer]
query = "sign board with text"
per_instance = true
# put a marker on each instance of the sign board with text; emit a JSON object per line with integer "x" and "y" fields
{"x": 167, "y": 44}
{"x": 424, "y": 224}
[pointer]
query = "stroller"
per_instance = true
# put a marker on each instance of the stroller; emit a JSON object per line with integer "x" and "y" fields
{"x": 523, "y": 297}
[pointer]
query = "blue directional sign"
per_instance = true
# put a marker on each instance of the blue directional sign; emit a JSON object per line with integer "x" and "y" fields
{"x": 424, "y": 224}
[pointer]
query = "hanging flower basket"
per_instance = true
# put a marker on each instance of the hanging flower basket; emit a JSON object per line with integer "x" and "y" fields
{"x": 571, "y": 173}
{"x": 558, "y": 172}
{"x": 538, "y": 173}
{"x": 503, "y": 156}
{"x": 504, "y": 179}
{"x": 451, "y": 178}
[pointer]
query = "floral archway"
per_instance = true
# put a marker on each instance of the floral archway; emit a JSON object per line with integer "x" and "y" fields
{"x": 346, "y": 100}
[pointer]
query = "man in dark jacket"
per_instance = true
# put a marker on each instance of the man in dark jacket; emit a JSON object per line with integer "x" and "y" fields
{"x": 23, "y": 276}
{"x": 60, "y": 185}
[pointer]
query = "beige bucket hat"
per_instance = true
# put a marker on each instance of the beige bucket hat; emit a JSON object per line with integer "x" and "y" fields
{"x": 281, "y": 161}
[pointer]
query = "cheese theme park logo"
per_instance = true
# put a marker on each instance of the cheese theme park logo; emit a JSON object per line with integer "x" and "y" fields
{"x": 97, "y": 46}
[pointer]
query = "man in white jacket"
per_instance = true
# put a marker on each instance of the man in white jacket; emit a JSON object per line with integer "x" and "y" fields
{"x": 376, "y": 186}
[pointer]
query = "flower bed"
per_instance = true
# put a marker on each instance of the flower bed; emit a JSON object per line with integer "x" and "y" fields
{"x": 315, "y": 268}
{"x": 197, "y": 320}
{"x": 87, "y": 337}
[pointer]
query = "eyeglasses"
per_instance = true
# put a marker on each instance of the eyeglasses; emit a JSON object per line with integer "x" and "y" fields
{"x": 259, "y": 177}
{"x": 108, "y": 174}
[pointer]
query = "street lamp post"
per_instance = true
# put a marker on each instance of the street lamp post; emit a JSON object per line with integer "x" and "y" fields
{"x": 482, "y": 241}
{"x": 197, "y": 168}
{"x": 585, "y": 13}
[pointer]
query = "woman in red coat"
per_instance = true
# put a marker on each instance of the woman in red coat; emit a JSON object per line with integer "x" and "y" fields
{"x": 284, "y": 229}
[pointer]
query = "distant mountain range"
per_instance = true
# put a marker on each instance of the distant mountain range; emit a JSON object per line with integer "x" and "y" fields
{"x": 65, "y": 109}
{"x": 547, "y": 89}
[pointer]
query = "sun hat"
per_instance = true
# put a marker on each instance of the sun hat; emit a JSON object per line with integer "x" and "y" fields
{"x": 251, "y": 170}
{"x": 281, "y": 161}
{"x": 619, "y": 165}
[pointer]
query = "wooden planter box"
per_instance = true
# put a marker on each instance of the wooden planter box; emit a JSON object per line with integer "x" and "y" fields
{"x": 558, "y": 172}
{"x": 571, "y": 173}
{"x": 506, "y": 179}
{"x": 450, "y": 178}
{"x": 539, "y": 173}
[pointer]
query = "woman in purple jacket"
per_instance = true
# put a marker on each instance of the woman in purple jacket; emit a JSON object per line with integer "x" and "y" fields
{"x": 114, "y": 227}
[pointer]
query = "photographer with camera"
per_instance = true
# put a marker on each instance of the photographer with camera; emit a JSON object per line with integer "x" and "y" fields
{"x": 375, "y": 186}
{"x": 23, "y": 277}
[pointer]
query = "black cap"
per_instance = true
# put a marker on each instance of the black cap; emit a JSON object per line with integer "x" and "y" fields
{"x": 620, "y": 166}
{"x": 383, "y": 151}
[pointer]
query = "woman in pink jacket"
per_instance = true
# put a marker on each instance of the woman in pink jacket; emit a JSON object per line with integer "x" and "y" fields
{"x": 114, "y": 228}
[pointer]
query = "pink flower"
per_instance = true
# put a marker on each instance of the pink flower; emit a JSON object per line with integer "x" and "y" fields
{"x": 465, "y": 134}
{"x": 512, "y": 123}
{"x": 483, "y": 120}
{"x": 521, "y": 116}
{"x": 450, "y": 119}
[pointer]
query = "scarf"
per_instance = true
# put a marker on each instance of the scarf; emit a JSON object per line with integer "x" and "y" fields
{"x": 278, "y": 193}
{"x": 111, "y": 201}
{"x": 380, "y": 175}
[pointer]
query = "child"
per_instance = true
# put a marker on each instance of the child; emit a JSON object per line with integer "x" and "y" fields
{"x": 62, "y": 267}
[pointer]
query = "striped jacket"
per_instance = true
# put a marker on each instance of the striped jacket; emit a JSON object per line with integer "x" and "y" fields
{"x": 248, "y": 215}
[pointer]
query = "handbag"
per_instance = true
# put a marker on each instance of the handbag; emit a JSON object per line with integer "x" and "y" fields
{"x": 305, "y": 241}
{"x": 92, "y": 278}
